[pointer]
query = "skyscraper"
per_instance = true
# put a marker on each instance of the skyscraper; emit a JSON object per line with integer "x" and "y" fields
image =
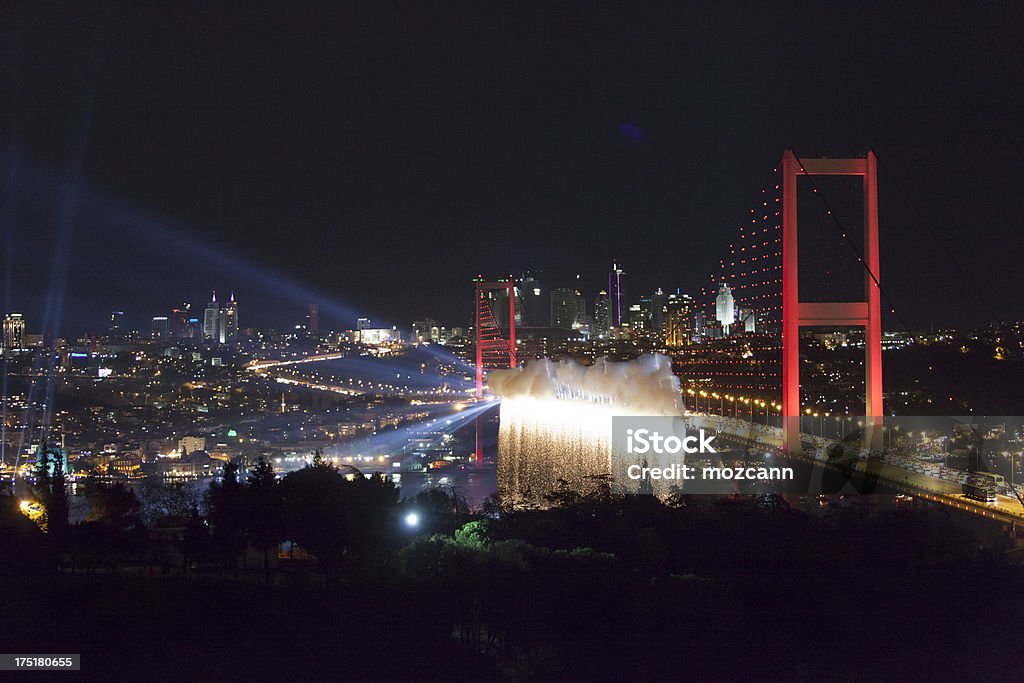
{"x": 229, "y": 328}
{"x": 535, "y": 302}
{"x": 180, "y": 327}
{"x": 313, "y": 319}
{"x": 14, "y": 331}
{"x": 725, "y": 308}
{"x": 676, "y": 324}
{"x": 161, "y": 327}
{"x": 602, "y": 321}
{"x": 211, "y": 319}
{"x": 116, "y": 322}
{"x": 658, "y": 300}
{"x": 617, "y": 304}
{"x": 748, "y": 319}
{"x": 565, "y": 307}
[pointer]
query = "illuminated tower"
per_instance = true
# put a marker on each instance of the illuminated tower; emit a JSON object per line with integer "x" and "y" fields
{"x": 601, "y": 320}
{"x": 725, "y": 308}
{"x": 180, "y": 327}
{"x": 617, "y": 303}
{"x": 211, "y": 319}
{"x": 676, "y": 325}
{"x": 313, "y": 318}
{"x": 14, "y": 331}
{"x": 229, "y": 316}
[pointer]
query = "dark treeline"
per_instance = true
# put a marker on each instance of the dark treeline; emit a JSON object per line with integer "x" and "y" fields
{"x": 598, "y": 586}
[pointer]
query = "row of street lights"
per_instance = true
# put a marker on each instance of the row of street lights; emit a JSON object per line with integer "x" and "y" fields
{"x": 744, "y": 404}
{"x": 738, "y": 404}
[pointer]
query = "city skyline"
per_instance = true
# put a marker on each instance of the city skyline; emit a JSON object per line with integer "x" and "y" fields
{"x": 338, "y": 195}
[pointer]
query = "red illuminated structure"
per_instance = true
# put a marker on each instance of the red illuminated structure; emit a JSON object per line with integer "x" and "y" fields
{"x": 795, "y": 314}
{"x": 492, "y": 349}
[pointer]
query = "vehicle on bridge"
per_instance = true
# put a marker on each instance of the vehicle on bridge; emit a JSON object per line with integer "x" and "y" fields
{"x": 980, "y": 489}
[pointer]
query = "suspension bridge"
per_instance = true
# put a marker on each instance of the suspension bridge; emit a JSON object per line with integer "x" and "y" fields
{"x": 743, "y": 354}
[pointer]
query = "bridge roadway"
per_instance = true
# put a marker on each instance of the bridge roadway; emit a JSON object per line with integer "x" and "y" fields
{"x": 258, "y": 365}
{"x": 881, "y": 467}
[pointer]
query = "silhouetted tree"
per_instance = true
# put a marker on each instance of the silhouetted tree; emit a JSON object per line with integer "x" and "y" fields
{"x": 112, "y": 504}
{"x": 337, "y": 517}
{"x": 442, "y": 509}
{"x": 263, "y": 515}
{"x": 226, "y": 515}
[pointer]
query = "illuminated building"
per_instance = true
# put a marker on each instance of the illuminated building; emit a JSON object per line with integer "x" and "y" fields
{"x": 676, "y": 319}
{"x": 699, "y": 326}
{"x": 371, "y": 336}
{"x": 180, "y": 327}
{"x": 229, "y": 320}
{"x": 313, "y": 319}
{"x": 602, "y": 321}
{"x": 725, "y": 308}
{"x": 161, "y": 327}
{"x": 536, "y": 302}
{"x": 423, "y": 330}
{"x": 616, "y": 296}
{"x": 211, "y": 319}
{"x": 565, "y": 308}
{"x": 657, "y": 310}
{"x": 14, "y": 331}
{"x": 191, "y": 444}
{"x": 748, "y": 319}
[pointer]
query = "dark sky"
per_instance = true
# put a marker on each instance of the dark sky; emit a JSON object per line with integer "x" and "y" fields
{"x": 375, "y": 160}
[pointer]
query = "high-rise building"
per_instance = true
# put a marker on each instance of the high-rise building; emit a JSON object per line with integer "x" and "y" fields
{"x": 535, "y": 301}
{"x": 161, "y": 327}
{"x": 363, "y": 324}
{"x": 636, "y": 317}
{"x": 499, "y": 306}
{"x": 211, "y": 320}
{"x": 14, "y": 331}
{"x": 676, "y": 319}
{"x": 229, "y": 320}
{"x": 725, "y": 307}
{"x": 313, "y": 319}
{"x": 602, "y": 321}
{"x": 617, "y": 303}
{"x": 658, "y": 300}
{"x": 565, "y": 308}
{"x": 116, "y": 322}
{"x": 423, "y": 330}
{"x": 180, "y": 328}
{"x": 748, "y": 319}
{"x": 644, "y": 319}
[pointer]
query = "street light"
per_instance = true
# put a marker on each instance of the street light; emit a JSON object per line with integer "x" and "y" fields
{"x": 412, "y": 520}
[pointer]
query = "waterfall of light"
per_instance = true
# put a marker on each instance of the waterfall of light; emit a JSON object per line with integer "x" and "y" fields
{"x": 556, "y": 420}
{"x": 540, "y": 442}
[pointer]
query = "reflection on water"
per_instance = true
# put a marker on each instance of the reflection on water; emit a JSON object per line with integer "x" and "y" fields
{"x": 472, "y": 483}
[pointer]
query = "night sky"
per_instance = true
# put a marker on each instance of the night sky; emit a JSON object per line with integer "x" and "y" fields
{"x": 375, "y": 160}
